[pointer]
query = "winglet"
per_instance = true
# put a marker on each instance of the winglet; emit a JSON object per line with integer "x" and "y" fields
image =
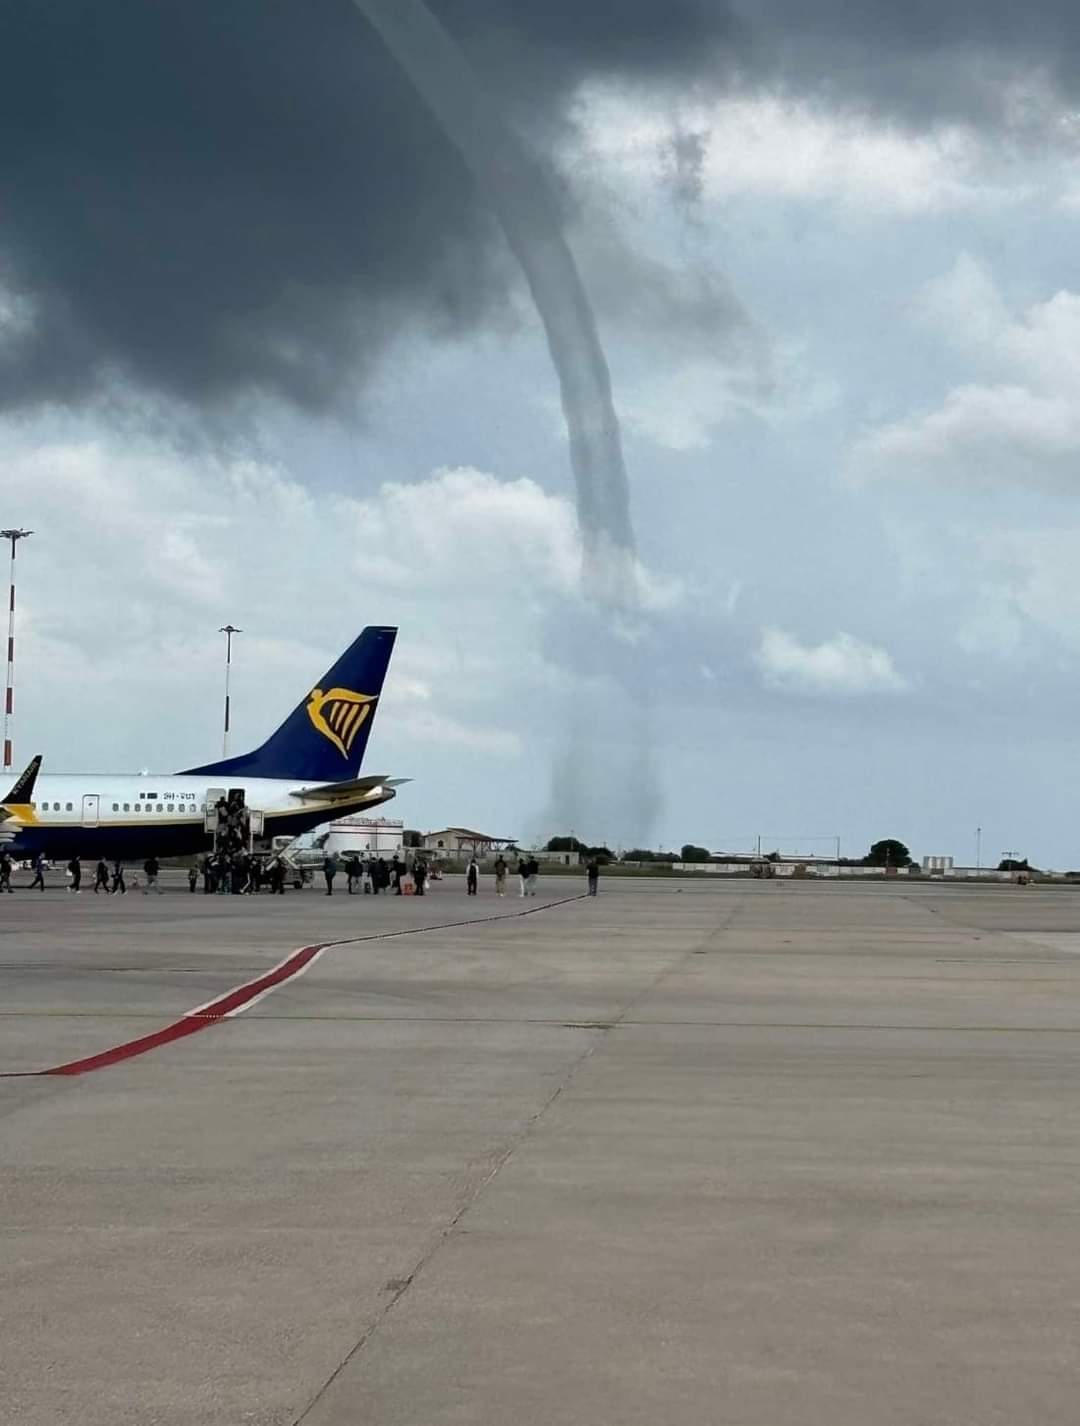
{"x": 17, "y": 803}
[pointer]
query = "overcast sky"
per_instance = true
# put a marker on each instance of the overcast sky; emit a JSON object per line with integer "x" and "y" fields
{"x": 266, "y": 358}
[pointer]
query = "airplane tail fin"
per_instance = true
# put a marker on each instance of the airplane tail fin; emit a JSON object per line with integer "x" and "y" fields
{"x": 17, "y": 803}
{"x": 324, "y": 738}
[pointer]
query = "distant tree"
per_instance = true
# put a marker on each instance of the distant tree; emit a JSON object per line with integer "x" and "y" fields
{"x": 1011, "y": 864}
{"x": 888, "y": 852}
{"x": 565, "y": 844}
{"x": 410, "y": 838}
{"x": 692, "y": 853}
{"x": 603, "y": 855}
{"x": 772, "y": 856}
{"x": 639, "y": 854}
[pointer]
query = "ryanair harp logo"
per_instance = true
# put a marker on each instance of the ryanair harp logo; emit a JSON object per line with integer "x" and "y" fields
{"x": 339, "y": 714}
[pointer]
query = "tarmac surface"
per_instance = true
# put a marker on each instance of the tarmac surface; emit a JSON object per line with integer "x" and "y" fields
{"x": 690, "y": 1153}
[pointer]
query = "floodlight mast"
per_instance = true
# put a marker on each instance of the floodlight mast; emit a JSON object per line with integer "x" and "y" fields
{"x": 13, "y": 536}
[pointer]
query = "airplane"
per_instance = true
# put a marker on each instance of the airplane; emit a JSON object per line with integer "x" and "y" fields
{"x": 306, "y": 772}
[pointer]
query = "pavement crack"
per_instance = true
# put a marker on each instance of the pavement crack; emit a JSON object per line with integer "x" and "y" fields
{"x": 399, "y": 1287}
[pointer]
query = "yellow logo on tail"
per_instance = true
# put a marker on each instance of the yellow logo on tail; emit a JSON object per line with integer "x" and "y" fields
{"x": 339, "y": 714}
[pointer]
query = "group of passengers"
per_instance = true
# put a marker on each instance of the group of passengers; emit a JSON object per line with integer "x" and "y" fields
{"x": 241, "y": 873}
{"x": 372, "y": 875}
{"x": 238, "y": 873}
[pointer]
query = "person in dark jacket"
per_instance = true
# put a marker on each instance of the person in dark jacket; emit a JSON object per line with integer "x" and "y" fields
{"x": 118, "y": 879}
{"x": 353, "y": 871}
{"x": 151, "y": 866}
{"x": 101, "y": 877}
{"x": 5, "y": 871}
{"x": 472, "y": 877}
{"x": 39, "y": 873}
{"x": 419, "y": 875}
{"x": 192, "y": 878}
{"x": 277, "y": 877}
{"x": 592, "y": 874}
{"x": 329, "y": 871}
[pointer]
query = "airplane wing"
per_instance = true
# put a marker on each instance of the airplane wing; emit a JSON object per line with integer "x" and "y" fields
{"x": 346, "y": 791}
{"x": 17, "y": 803}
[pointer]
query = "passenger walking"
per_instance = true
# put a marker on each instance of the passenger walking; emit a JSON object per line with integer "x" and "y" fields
{"x": 277, "y": 877}
{"x": 5, "y": 871}
{"x": 39, "y": 873}
{"x": 592, "y": 872}
{"x": 397, "y": 869}
{"x": 353, "y": 871}
{"x": 207, "y": 875}
{"x": 472, "y": 877}
{"x": 500, "y": 875}
{"x": 101, "y": 877}
{"x": 151, "y": 866}
{"x": 533, "y": 871}
{"x": 329, "y": 871}
{"x": 74, "y": 870}
{"x": 192, "y": 878}
{"x": 118, "y": 879}
{"x": 419, "y": 875}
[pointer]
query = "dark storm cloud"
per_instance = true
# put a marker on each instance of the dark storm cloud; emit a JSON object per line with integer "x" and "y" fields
{"x": 214, "y": 199}
{"x": 919, "y": 59}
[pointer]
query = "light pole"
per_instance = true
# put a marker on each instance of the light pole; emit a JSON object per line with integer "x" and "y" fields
{"x": 228, "y": 630}
{"x": 9, "y": 693}
{"x": 978, "y": 848}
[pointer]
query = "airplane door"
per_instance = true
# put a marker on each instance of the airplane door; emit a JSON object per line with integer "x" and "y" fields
{"x": 90, "y": 808}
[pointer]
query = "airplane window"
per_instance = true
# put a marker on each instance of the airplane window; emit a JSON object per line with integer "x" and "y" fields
{"x": 116, "y": 807}
{"x": 137, "y": 807}
{"x": 67, "y": 807}
{"x": 159, "y": 808}
{"x": 170, "y": 808}
{"x": 127, "y": 807}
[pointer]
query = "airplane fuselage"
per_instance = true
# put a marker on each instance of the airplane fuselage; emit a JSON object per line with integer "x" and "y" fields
{"x": 131, "y": 816}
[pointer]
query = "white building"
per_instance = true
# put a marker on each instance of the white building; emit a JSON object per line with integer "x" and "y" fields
{"x": 366, "y": 836}
{"x": 453, "y": 843}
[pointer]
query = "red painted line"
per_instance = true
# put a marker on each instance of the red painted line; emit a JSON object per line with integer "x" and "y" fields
{"x": 237, "y": 999}
{"x": 176, "y": 1031}
{"x": 200, "y": 1018}
{"x": 243, "y": 996}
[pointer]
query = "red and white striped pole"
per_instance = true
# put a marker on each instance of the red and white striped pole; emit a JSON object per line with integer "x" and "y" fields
{"x": 229, "y": 630}
{"x": 9, "y": 692}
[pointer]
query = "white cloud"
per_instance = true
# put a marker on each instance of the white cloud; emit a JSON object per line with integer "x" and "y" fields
{"x": 1035, "y": 586}
{"x": 779, "y": 146}
{"x": 682, "y": 408}
{"x": 1020, "y": 426}
{"x": 484, "y": 538}
{"x": 843, "y": 665}
{"x": 142, "y": 551}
